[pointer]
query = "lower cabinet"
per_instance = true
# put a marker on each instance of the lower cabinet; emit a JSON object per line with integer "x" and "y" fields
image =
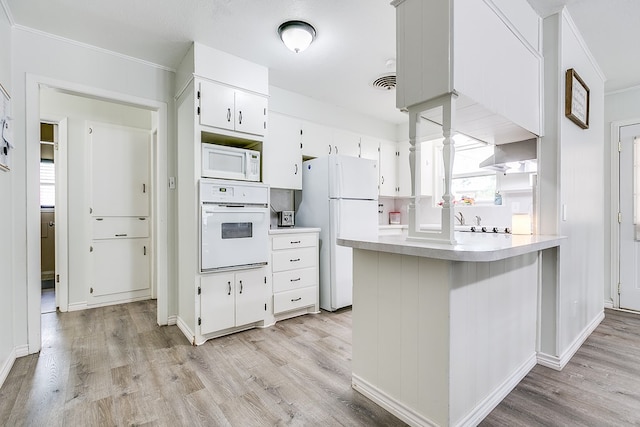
{"x": 232, "y": 299}
{"x": 294, "y": 270}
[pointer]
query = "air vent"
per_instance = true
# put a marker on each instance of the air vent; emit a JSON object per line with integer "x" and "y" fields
{"x": 385, "y": 82}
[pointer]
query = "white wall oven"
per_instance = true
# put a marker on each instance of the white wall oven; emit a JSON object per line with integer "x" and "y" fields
{"x": 234, "y": 226}
{"x": 221, "y": 161}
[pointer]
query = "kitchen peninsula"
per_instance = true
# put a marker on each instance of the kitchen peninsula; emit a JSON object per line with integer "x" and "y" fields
{"x": 442, "y": 333}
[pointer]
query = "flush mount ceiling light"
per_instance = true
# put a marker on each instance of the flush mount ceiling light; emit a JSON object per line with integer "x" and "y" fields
{"x": 296, "y": 35}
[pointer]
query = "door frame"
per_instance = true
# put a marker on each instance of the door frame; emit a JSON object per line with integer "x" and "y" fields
{"x": 61, "y": 219}
{"x": 615, "y": 208}
{"x": 159, "y": 205}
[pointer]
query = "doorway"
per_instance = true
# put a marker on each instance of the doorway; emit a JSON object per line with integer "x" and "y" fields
{"x": 159, "y": 209}
{"x": 48, "y": 138}
{"x": 629, "y": 219}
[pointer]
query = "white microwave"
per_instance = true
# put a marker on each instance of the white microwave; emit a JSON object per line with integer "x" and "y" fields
{"x": 223, "y": 162}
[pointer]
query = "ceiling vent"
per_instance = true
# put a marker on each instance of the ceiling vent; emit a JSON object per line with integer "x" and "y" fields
{"x": 385, "y": 82}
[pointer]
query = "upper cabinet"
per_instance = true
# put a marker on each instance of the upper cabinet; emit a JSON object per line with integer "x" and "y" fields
{"x": 232, "y": 109}
{"x": 282, "y": 153}
{"x": 485, "y": 51}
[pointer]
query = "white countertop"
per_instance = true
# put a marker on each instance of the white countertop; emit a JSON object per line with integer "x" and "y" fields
{"x": 392, "y": 226}
{"x": 289, "y": 230}
{"x": 474, "y": 247}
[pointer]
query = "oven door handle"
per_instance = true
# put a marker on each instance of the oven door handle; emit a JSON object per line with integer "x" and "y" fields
{"x": 234, "y": 209}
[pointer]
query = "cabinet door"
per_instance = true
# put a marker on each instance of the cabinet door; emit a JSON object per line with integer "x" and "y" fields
{"x": 388, "y": 169}
{"x": 251, "y": 296}
{"x": 346, "y": 143}
{"x": 217, "y": 105}
{"x": 281, "y": 153}
{"x": 316, "y": 139}
{"x": 250, "y": 113}
{"x": 370, "y": 148}
{"x": 118, "y": 266}
{"x": 404, "y": 172}
{"x": 119, "y": 162}
{"x": 217, "y": 302}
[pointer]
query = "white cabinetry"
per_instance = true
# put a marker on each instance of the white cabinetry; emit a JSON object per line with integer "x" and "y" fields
{"x": 316, "y": 139}
{"x": 282, "y": 153}
{"x": 294, "y": 268}
{"x": 370, "y": 148}
{"x": 388, "y": 169}
{"x": 232, "y": 109}
{"x": 230, "y": 300}
{"x": 404, "y": 172}
{"x": 345, "y": 143}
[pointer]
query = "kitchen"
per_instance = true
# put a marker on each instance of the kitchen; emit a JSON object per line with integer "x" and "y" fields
{"x": 25, "y": 39}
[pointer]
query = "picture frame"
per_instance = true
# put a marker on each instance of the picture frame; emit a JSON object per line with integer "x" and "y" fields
{"x": 576, "y": 106}
{"x": 6, "y": 139}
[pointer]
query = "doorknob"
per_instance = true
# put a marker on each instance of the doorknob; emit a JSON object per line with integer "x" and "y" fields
{"x": 52, "y": 224}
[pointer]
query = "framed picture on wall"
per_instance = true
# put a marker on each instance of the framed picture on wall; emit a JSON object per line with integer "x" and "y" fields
{"x": 576, "y": 106}
{"x": 6, "y": 139}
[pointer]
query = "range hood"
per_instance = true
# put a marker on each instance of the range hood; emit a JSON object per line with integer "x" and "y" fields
{"x": 512, "y": 152}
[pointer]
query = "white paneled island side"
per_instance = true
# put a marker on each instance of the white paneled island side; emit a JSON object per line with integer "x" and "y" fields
{"x": 442, "y": 333}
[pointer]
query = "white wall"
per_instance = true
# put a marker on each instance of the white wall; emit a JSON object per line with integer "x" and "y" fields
{"x": 78, "y": 110}
{"x": 40, "y": 57}
{"x": 571, "y": 166}
{"x": 619, "y": 106}
{"x": 6, "y": 208}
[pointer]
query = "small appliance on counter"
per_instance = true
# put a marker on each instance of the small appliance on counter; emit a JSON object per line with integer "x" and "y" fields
{"x": 285, "y": 219}
{"x": 394, "y": 218}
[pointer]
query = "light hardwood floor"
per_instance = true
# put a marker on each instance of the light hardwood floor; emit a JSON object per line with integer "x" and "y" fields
{"x": 115, "y": 366}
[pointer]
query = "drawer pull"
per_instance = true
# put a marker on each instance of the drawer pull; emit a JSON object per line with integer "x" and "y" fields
{"x": 121, "y": 235}
{"x": 294, "y": 260}
{"x": 296, "y": 299}
{"x": 99, "y": 219}
{"x": 296, "y": 242}
{"x": 295, "y": 280}
{"x": 229, "y": 284}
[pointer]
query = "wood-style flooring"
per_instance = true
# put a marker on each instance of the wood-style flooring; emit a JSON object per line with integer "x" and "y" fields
{"x": 115, "y": 366}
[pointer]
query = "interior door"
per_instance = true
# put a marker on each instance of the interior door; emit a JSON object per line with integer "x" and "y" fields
{"x": 629, "y": 158}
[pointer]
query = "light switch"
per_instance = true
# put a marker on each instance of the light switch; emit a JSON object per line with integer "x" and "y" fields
{"x": 564, "y": 212}
{"x": 172, "y": 182}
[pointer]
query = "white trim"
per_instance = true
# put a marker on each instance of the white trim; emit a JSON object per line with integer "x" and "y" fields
{"x": 77, "y": 306}
{"x": 186, "y": 330}
{"x": 558, "y": 363}
{"x": 398, "y": 409}
{"x": 489, "y": 403}
{"x": 6, "y": 368}
{"x": 572, "y": 25}
{"x": 627, "y": 89}
{"x": 507, "y": 22}
{"x": 7, "y": 12}
{"x": 609, "y": 304}
{"x": 22, "y": 350}
{"x": 92, "y": 47}
{"x": 172, "y": 320}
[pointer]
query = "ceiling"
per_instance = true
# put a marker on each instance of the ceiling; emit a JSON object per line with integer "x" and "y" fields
{"x": 355, "y": 38}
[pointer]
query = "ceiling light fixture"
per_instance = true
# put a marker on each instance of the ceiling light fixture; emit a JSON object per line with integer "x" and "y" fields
{"x": 297, "y": 35}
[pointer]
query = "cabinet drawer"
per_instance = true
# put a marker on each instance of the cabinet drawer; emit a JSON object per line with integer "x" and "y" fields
{"x": 294, "y": 279}
{"x": 120, "y": 227}
{"x": 294, "y": 258}
{"x": 291, "y": 241}
{"x": 291, "y": 300}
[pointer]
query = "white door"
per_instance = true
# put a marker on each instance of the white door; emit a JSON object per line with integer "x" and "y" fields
{"x": 404, "y": 171}
{"x": 281, "y": 153}
{"x": 251, "y": 296}
{"x": 388, "y": 169}
{"x": 217, "y": 302}
{"x": 251, "y": 113}
{"x": 629, "y": 227}
{"x": 120, "y": 160}
{"x": 217, "y": 106}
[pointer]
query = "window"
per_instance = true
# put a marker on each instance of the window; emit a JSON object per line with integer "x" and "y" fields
{"x": 47, "y": 184}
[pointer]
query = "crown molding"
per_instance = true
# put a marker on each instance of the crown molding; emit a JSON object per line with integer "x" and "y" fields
{"x": 7, "y": 12}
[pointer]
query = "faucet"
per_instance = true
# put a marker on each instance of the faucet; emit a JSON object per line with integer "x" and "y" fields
{"x": 478, "y": 220}
{"x": 461, "y": 219}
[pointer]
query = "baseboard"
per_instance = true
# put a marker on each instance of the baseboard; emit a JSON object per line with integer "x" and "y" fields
{"x": 558, "y": 363}
{"x": 172, "y": 320}
{"x": 22, "y": 350}
{"x": 398, "y": 409}
{"x": 77, "y": 306}
{"x": 608, "y": 304}
{"x": 6, "y": 367}
{"x": 489, "y": 403}
{"x": 186, "y": 330}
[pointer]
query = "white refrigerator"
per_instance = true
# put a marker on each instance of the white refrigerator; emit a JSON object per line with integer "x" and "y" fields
{"x": 339, "y": 195}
